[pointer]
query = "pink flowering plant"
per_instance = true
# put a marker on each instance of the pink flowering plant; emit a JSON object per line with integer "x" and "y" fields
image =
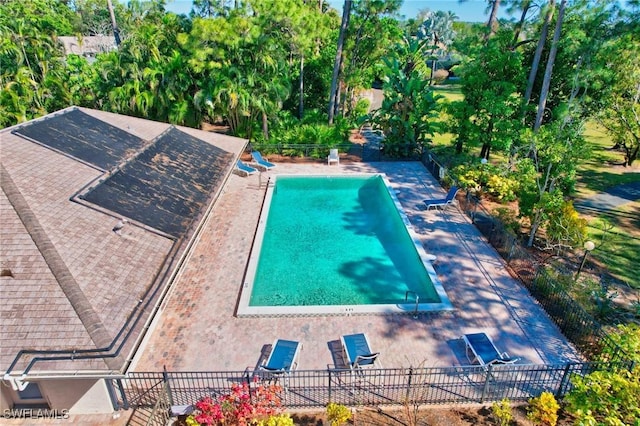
{"x": 243, "y": 406}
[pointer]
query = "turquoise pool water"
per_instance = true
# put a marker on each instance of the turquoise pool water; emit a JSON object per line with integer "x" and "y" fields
{"x": 337, "y": 241}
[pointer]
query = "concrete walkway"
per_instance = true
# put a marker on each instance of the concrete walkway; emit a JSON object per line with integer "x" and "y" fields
{"x": 611, "y": 199}
{"x": 196, "y": 329}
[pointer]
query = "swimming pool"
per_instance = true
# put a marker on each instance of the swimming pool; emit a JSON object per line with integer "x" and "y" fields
{"x": 337, "y": 245}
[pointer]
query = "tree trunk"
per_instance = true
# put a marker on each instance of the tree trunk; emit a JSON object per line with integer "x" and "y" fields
{"x": 525, "y": 8}
{"x": 534, "y": 228}
{"x": 544, "y": 92}
{"x": 536, "y": 58}
{"x": 333, "y": 95}
{"x": 265, "y": 126}
{"x": 493, "y": 19}
{"x": 301, "y": 88}
{"x": 486, "y": 146}
{"x": 114, "y": 24}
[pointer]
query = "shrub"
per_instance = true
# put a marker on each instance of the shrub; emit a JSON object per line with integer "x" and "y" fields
{"x": 543, "y": 410}
{"x": 610, "y": 397}
{"x": 489, "y": 179}
{"x": 502, "y": 187}
{"x": 606, "y": 397}
{"x": 258, "y": 405}
{"x": 501, "y": 411}
{"x": 565, "y": 226}
{"x": 362, "y": 108}
{"x": 278, "y": 420}
{"x": 338, "y": 414}
{"x": 508, "y": 218}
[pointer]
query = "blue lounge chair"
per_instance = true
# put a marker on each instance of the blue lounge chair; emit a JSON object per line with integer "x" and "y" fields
{"x": 357, "y": 350}
{"x": 443, "y": 202}
{"x": 283, "y": 357}
{"x": 245, "y": 169}
{"x": 261, "y": 162}
{"x": 480, "y": 348}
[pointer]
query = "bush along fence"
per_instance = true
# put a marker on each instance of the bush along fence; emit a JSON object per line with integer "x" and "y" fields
{"x": 157, "y": 392}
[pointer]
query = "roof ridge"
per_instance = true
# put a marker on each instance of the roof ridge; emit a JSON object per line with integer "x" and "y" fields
{"x": 78, "y": 300}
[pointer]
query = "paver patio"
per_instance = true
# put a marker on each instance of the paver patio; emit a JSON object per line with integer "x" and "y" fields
{"x": 196, "y": 329}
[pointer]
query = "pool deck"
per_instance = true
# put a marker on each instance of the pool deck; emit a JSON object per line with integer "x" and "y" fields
{"x": 196, "y": 329}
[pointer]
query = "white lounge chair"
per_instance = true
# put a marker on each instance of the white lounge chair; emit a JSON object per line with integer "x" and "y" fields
{"x": 333, "y": 157}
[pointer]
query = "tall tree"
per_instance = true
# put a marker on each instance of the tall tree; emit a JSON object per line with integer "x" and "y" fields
{"x": 372, "y": 29}
{"x": 538, "y": 54}
{"x": 618, "y": 111}
{"x": 333, "y": 93}
{"x": 544, "y": 92}
{"x": 491, "y": 85}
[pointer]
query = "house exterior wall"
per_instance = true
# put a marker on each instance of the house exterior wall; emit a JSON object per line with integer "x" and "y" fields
{"x": 64, "y": 396}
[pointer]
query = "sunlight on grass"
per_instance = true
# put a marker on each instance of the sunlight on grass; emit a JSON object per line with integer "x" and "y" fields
{"x": 599, "y": 172}
{"x": 451, "y": 93}
{"x": 618, "y": 251}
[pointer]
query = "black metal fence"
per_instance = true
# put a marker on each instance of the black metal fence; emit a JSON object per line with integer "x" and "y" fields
{"x": 364, "y": 387}
{"x": 305, "y": 150}
{"x": 577, "y": 325}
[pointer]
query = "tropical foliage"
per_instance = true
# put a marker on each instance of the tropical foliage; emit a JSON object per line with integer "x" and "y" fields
{"x": 263, "y": 69}
{"x": 409, "y": 107}
{"x": 610, "y": 397}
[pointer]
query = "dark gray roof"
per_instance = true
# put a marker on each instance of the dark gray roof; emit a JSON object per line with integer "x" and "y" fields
{"x": 68, "y": 279}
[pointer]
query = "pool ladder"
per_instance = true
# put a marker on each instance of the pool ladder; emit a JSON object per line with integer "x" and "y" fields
{"x": 406, "y": 297}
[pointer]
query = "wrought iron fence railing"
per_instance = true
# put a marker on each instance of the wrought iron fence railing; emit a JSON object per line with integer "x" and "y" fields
{"x": 580, "y": 327}
{"x": 365, "y": 387}
{"x": 304, "y": 150}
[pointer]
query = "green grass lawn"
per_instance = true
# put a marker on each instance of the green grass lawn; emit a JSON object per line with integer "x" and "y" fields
{"x": 450, "y": 92}
{"x": 618, "y": 248}
{"x": 600, "y": 172}
{"x": 618, "y": 252}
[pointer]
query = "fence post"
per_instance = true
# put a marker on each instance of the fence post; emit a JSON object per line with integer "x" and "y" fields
{"x": 560, "y": 392}
{"x": 487, "y": 379}
{"x": 409, "y": 383}
{"x": 248, "y": 381}
{"x": 167, "y": 385}
{"x": 125, "y": 402}
{"x": 329, "y": 390}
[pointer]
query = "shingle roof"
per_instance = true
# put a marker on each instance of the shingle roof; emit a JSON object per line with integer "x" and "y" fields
{"x": 111, "y": 273}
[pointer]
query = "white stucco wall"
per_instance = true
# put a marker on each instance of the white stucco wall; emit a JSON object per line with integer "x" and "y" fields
{"x": 79, "y": 396}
